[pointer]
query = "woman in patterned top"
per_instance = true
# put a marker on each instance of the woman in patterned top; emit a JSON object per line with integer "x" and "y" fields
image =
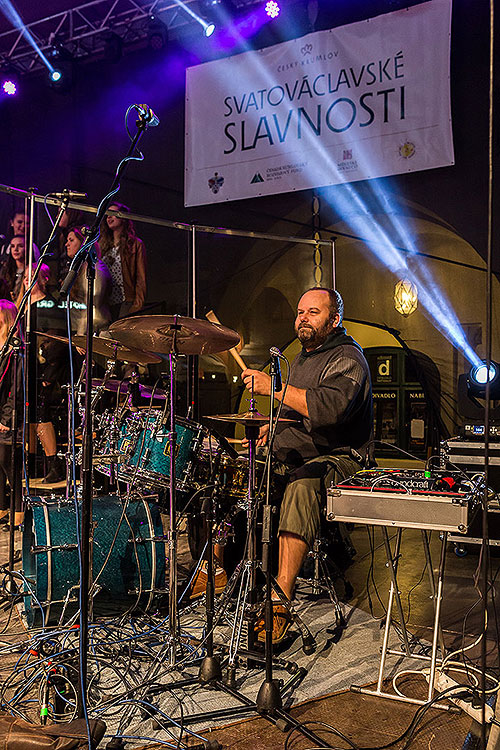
{"x": 125, "y": 256}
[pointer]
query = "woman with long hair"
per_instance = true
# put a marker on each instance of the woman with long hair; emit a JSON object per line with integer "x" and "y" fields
{"x": 9, "y": 392}
{"x": 52, "y": 369}
{"x": 78, "y": 295}
{"x": 125, "y": 256}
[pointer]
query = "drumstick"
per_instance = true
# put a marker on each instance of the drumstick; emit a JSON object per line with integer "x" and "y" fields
{"x": 212, "y": 317}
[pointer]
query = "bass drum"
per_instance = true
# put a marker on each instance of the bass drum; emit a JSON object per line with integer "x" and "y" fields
{"x": 128, "y": 557}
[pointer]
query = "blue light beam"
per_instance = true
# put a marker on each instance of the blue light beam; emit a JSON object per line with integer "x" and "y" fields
{"x": 13, "y": 16}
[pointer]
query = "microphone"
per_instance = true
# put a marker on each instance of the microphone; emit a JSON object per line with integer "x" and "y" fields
{"x": 275, "y": 366}
{"x": 148, "y": 114}
{"x": 71, "y": 194}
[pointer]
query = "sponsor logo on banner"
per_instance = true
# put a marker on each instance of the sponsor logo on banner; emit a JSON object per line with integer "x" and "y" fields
{"x": 256, "y": 178}
{"x": 215, "y": 183}
{"x": 407, "y": 150}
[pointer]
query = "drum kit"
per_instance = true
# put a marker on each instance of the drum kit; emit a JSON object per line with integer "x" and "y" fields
{"x": 132, "y": 446}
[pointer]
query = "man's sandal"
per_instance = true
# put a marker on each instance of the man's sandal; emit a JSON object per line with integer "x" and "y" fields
{"x": 282, "y": 619}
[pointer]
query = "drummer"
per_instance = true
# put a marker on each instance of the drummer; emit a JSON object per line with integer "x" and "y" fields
{"x": 330, "y": 396}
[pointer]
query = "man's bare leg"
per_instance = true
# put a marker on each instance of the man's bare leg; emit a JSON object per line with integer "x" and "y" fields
{"x": 292, "y": 552}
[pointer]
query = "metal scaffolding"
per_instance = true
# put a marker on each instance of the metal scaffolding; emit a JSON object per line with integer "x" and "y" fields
{"x": 84, "y": 30}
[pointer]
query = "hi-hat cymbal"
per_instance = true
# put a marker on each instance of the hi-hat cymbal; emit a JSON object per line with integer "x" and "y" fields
{"x": 248, "y": 417}
{"x": 168, "y": 333}
{"x": 108, "y": 348}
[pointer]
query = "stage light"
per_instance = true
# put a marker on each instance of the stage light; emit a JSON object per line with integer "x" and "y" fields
{"x": 9, "y": 87}
{"x": 208, "y": 27}
{"x": 478, "y": 377}
{"x": 157, "y": 34}
{"x": 61, "y": 72}
{"x": 272, "y": 9}
{"x": 113, "y": 47}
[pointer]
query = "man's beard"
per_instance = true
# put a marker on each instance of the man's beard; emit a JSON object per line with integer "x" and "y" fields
{"x": 312, "y": 337}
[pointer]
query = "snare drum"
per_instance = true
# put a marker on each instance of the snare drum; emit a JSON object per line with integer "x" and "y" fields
{"x": 143, "y": 450}
{"x": 128, "y": 555}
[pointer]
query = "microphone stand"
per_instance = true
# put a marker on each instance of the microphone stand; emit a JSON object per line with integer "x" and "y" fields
{"x": 269, "y": 695}
{"x": 87, "y": 253}
{"x": 14, "y": 477}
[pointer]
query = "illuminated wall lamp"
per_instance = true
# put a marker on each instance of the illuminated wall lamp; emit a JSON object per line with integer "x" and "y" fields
{"x": 405, "y": 297}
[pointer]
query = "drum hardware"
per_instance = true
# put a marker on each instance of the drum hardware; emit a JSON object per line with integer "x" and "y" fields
{"x": 247, "y": 607}
{"x": 39, "y": 548}
{"x": 173, "y": 335}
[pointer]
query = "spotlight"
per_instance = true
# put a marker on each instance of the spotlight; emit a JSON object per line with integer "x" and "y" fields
{"x": 9, "y": 81}
{"x": 208, "y": 27}
{"x": 157, "y": 34}
{"x": 113, "y": 47}
{"x": 479, "y": 376}
{"x": 9, "y": 87}
{"x": 272, "y": 9}
{"x": 61, "y": 70}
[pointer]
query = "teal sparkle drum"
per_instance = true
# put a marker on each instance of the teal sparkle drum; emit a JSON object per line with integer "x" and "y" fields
{"x": 142, "y": 453}
{"x": 128, "y": 557}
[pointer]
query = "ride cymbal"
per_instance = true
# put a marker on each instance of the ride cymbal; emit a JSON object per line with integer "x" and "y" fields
{"x": 173, "y": 333}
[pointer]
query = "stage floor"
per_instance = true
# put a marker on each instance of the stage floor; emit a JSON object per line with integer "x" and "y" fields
{"x": 323, "y": 694}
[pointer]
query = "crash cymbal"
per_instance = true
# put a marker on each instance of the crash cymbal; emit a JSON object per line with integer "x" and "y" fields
{"x": 167, "y": 333}
{"x": 108, "y": 348}
{"x": 112, "y": 349}
{"x": 115, "y": 385}
{"x": 64, "y": 339}
{"x": 248, "y": 417}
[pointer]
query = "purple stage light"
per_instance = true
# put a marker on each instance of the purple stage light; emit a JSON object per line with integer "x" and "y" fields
{"x": 272, "y": 9}
{"x": 9, "y": 87}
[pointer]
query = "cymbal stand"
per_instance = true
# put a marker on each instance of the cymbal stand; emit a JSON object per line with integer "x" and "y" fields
{"x": 246, "y": 569}
{"x": 172, "y": 531}
{"x": 71, "y": 434}
{"x": 210, "y": 669}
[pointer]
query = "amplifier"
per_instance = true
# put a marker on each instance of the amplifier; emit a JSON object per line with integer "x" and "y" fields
{"x": 360, "y": 500}
{"x": 471, "y": 452}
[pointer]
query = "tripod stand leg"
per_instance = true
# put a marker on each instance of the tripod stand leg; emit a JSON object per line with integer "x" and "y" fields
{"x": 339, "y": 614}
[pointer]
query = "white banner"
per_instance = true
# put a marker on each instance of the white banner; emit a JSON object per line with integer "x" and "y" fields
{"x": 366, "y": 100}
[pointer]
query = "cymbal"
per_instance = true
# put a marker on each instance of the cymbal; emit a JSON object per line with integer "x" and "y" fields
{"x": 112, "y": 349}
{"x": 115, "y": 385}
{"x": 108, "y": 348}
{"x": 248, "y": 417}
{"x": 166, "y": 333}
{"x": 64, "y": 339}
